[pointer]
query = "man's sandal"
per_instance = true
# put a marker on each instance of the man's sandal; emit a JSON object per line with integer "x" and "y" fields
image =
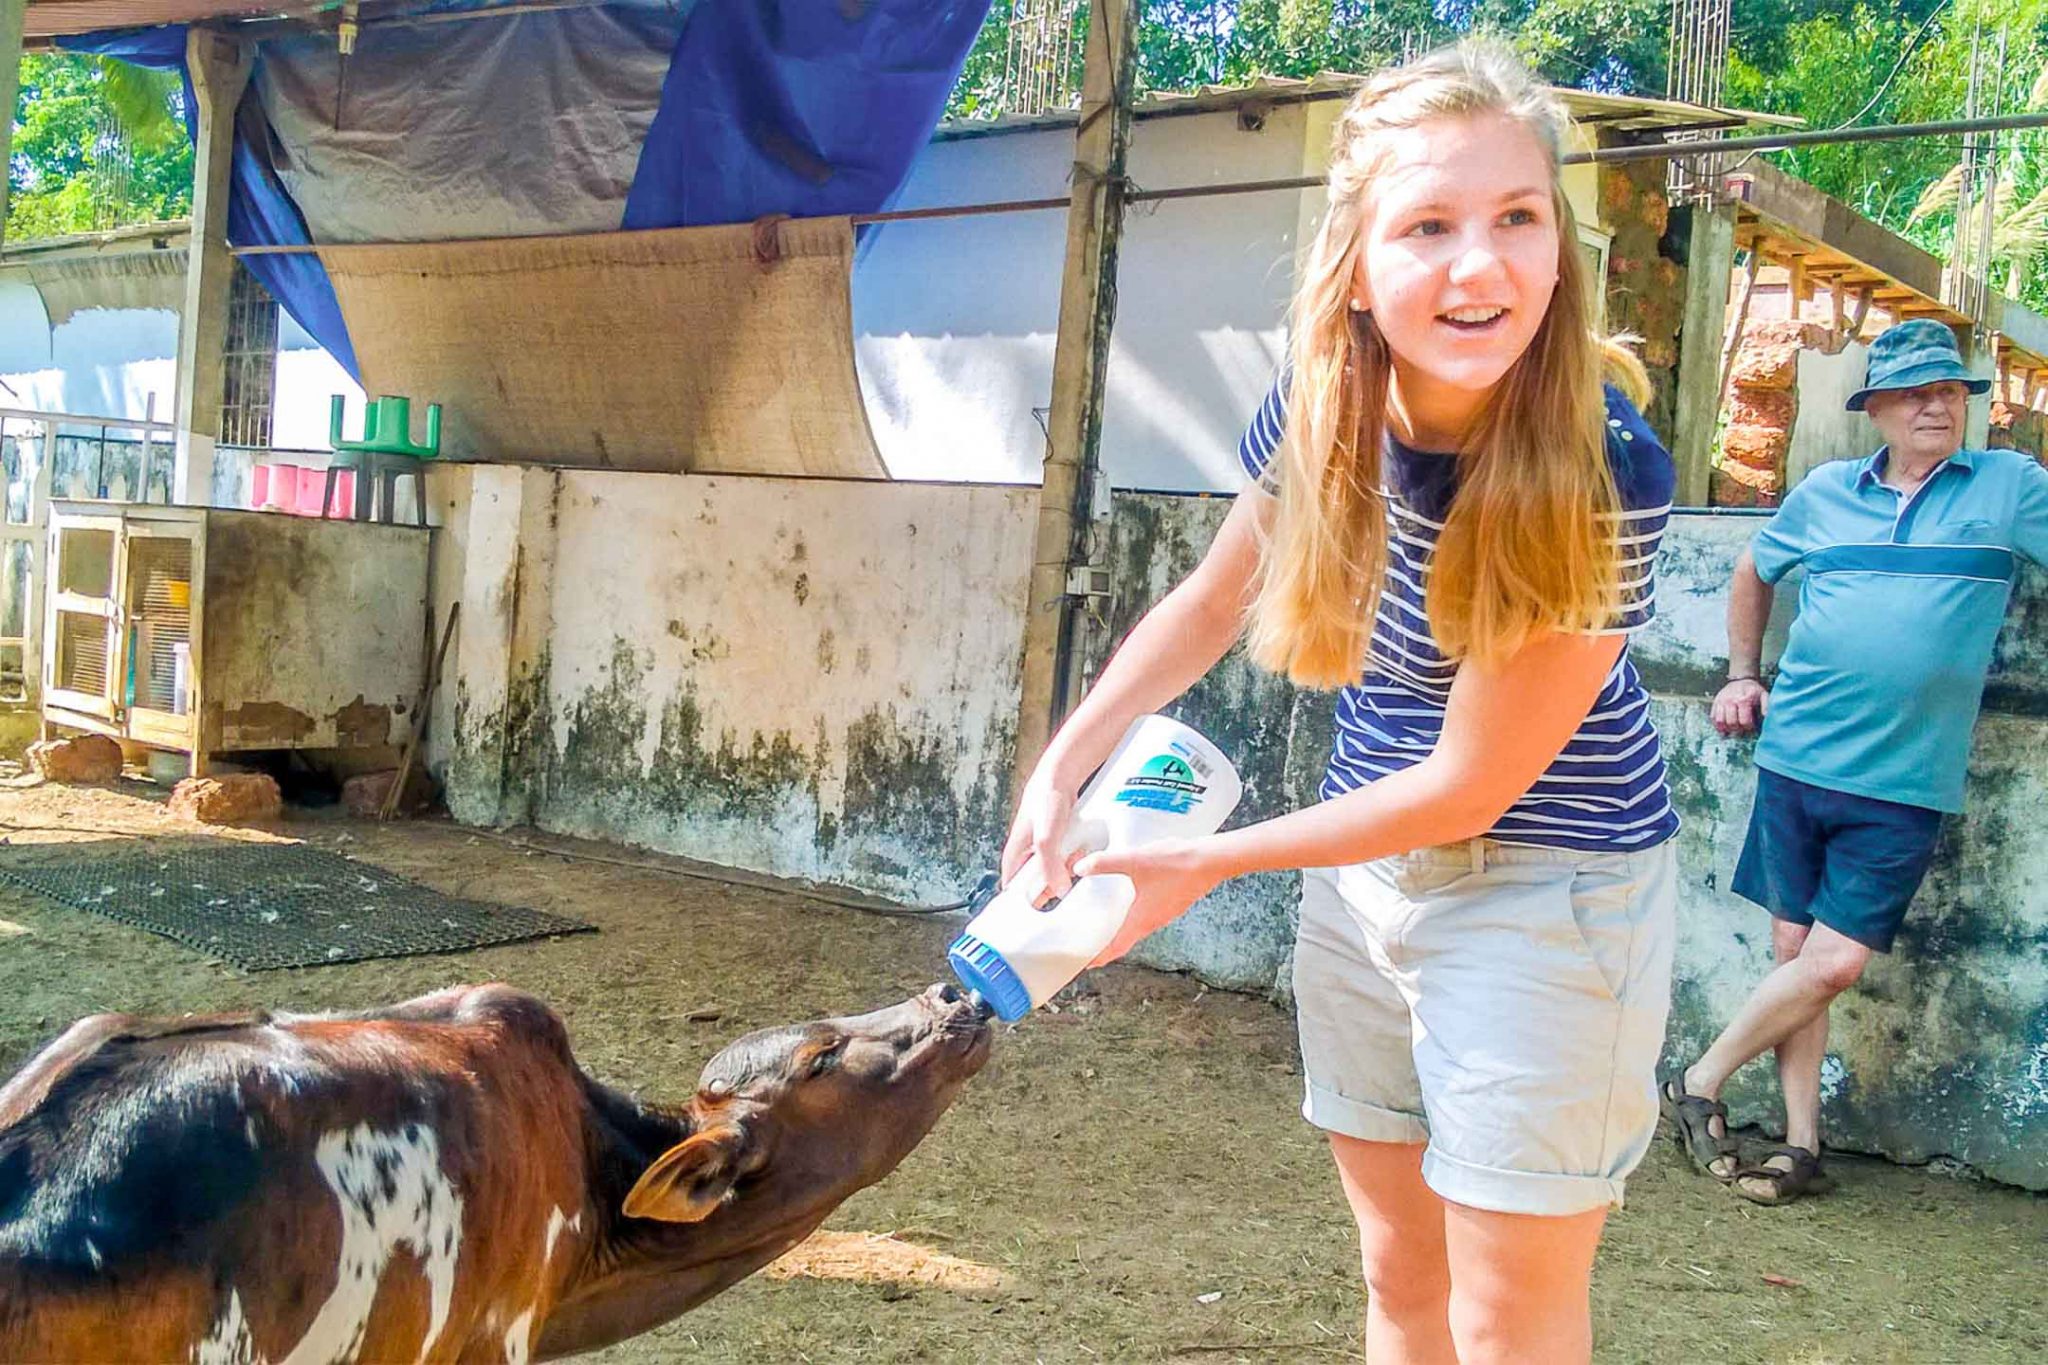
{"x": 1781, "y": 1184}
{"x": 1692, "y": 1116}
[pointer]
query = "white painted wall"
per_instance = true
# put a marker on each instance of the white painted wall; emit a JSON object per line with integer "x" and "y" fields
{"x": 1822, "y": 429}
{"x": 307, "y": 380}
{"x": 108, "y": 361}
{"x": 954, "y": 319}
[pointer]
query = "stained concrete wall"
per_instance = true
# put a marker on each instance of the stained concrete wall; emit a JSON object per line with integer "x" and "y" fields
{"x": 818, "y": 679}
{"x": 810, "y": 678}
{"x": 1943, "y": 1050}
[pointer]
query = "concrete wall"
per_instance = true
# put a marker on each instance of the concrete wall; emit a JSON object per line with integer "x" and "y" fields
{"x": 818, "y": 679}
{"x": 809, "y": 678}
{"x": 1944, "y": 1048}
{"x": 1823, "y": 429}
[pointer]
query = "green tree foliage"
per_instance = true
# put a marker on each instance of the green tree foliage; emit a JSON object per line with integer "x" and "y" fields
{"x": 1826, "y": 62}
{"x": 1832, "y": 66}
{"x": 97, "y": 144}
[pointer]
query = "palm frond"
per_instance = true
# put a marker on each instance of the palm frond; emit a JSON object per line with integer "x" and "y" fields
{"x": 140, "y": 100}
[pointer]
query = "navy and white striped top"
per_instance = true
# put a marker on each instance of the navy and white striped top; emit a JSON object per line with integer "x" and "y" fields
{"x": 1606, "y": 791}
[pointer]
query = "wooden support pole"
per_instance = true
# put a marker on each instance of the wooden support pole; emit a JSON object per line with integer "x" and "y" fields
{"x": 1734, "y": 342}
{"x": 12, "y": 15}
{"x": 220, "y": 73}
{"x": 1860, "y": 312}
{"x": 1709, "y": 260}
{"x": 1980, "y": 354}
{"x": 1080, "y": 364}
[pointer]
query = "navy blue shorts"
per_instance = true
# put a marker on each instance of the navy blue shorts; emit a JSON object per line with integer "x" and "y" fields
{"x": 1850, "y": 862}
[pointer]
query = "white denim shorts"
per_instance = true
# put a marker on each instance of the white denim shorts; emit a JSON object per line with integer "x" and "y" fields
{"x": 1504, "y": 1004}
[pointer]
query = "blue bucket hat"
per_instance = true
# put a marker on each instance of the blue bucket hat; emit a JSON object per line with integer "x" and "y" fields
{"x": 1918, "y": 351}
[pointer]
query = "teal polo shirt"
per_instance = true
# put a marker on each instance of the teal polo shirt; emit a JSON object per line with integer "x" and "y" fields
{"x": 1880, "y": 682}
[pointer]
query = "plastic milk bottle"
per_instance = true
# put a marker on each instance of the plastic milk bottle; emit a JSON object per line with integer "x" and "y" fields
{"x": 1163, "y": 781}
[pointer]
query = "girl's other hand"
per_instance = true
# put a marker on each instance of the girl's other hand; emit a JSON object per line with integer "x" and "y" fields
{"x": 1170, "y": 875}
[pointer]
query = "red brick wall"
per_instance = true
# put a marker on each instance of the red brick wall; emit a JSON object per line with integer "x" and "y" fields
{"x": 1763, "y": 400}
{"x": 1645, "y": 288}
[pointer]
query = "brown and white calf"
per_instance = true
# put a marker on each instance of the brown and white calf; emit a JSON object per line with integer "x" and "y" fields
{"x": 437, "y": 1181}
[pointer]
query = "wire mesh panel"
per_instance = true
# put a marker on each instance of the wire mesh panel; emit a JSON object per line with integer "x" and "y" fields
{"x": 83, "y": 578}
{"x": 81, "y": 663}
{"x": 160, "y": 608}
{"x": 268, "y": 905}
{"x": 85, "y": 561}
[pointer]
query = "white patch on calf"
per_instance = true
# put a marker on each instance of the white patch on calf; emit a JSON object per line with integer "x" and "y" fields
{"x": 556, "y": 1222}
{"x": 392, "y": 1193}
{"x": 519, "y": 1339}
{"x": 229, "y": 1342}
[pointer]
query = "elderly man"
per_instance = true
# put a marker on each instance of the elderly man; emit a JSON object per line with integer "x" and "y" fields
{"x": 1909, "y": 558}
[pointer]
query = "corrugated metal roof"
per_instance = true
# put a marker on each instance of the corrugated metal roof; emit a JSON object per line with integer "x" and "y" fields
{"x": 53, "y": 18}
{"x": 158, "y": 236}
{"x": 1614, "y": 111}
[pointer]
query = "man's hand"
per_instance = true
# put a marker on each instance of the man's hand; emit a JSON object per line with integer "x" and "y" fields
{"x": 1740, "y": 707}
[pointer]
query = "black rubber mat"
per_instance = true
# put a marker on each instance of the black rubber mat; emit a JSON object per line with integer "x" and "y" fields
{"x": 267, "y": 905}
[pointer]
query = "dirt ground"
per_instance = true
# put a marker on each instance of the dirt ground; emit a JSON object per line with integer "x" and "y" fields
{"x": 1127, "y": 1180}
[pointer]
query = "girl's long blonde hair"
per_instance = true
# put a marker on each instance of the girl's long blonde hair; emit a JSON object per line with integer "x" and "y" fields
{"x": 1529, "y": 543}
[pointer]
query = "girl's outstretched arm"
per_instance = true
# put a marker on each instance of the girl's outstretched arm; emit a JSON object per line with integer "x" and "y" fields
{"x": 1502, "y": 728}
{"x": 1171, "y": 647}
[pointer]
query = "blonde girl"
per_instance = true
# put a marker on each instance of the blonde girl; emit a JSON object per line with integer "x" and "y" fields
{"x": 1451, "y": 519}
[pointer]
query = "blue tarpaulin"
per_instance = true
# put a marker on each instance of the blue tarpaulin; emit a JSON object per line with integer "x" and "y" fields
{"x": 803, "y": 107}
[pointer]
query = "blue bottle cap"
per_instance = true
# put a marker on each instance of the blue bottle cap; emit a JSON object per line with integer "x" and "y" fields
{"x": 981, "y": 968}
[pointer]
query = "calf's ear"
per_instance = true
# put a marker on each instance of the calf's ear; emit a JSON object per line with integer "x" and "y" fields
{"x": 690, "y": 1180}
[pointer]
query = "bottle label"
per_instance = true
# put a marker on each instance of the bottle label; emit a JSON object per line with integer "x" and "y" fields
{"x": 1166, "y": 782}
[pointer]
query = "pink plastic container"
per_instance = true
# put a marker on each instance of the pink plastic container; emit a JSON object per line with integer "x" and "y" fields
{"x": 274, "y": 487}
{"x": 297, "y": 490}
